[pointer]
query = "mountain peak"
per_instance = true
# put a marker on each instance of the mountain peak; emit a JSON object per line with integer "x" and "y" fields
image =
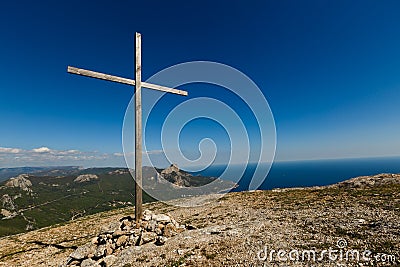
{"x": 173, "y": 168}
{"x": 20, "y": 181}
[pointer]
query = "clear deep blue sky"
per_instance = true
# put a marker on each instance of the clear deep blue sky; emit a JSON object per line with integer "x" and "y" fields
{"x": 329, "y": 69}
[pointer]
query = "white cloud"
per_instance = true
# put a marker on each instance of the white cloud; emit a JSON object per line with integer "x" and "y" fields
{"x": 153, "y": 152}
{"x": 44, "y": 156}
{"x": 10, "y": 150}
{"x": 41, "y": 150}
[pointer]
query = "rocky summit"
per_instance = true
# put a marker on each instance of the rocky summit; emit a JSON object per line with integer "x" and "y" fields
{"x": 21, "y": 181}
{"x": 180, "y": 178}
{"x": 356, "y": 223}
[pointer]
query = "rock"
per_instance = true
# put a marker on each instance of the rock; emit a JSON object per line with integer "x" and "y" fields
{"x": 169, "y": 230}
{"x": 136, "y": 231}
{"x": 89, "y": 263}
{"x": 113, "y": 241}
{"x": 100, "y": 251}
{"x": 126, "y": 224}
{"x": 147, "y": 215}
{"x": 151, "y": 226}
{"x": 95, "y": 240}
{"x": 121, "y": 240}
{"x": 8, "y": 203}
{"x": 148, "y": 237}
{"x": 143, "y": 224}
{"x": 109, "y": 260}
{"x": 74, "y": 262}
{"x": 132, "y": 240}
{"x": 127, "y": 218}
{"x": 182, "y": 228}
{"x": 160, "y": 240}
{"x": 191, "y": 227}
{"x": 6, "y": 213}
{"x": 161, "y": 218}
{"x": 118, "y": 233}
{"x": 86, "y": 178}
{"x": 109, "y": 250}
{"x": 110, "y": 228}
{"x": 82, "y": 252}
{"x": 174, "y": 222}
{"x": 158, "y": 231}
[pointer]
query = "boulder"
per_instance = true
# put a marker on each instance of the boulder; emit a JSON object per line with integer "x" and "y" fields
{"x": 169, "y": 230}
{"x": 100, "y": 251}
{"x": 109, "y": 260}
{"x": 89, "y": 263}
{"x": 121, "y": 240}
{"x": 161, "y": 240}
{"x": 110, "y": 228}
{"x": 82, "y": 252}
{"x": 148, "y": 237}
{"x": 118, "y": 233}
{"x": 161, "y": 218}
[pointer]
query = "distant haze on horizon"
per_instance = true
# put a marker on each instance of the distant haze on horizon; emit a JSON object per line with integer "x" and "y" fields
{"x": 329, "y": 70}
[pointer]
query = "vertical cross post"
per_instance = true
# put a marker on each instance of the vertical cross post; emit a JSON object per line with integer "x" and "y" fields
{"x": 138, "y": 112}
{"x": 138, "y": 131}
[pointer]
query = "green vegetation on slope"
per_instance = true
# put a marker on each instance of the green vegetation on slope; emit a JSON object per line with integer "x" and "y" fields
{"x": 59, "y": 199}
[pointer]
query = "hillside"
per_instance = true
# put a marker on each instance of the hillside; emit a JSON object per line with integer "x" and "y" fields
{"x": 45, "y": 197}
{"x": 240, "y": 228}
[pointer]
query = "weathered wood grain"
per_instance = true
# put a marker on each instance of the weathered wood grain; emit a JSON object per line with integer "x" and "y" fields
{"x": 138, "y": 129}
{"x": 112, "y": 78}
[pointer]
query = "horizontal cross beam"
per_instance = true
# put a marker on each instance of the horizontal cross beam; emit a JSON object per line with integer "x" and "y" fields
{"x": 112, "y": 78}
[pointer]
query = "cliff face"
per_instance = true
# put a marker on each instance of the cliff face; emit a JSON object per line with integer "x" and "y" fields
{"x": 181, "y": 178}
{"x": 239, "y": 228}
{"x": 21, "y": 181}
{"x": 173, "y": 175}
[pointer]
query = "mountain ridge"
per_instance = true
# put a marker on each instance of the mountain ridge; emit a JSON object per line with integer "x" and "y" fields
{"x": 236, "y": 229}
{"x": 49, "y": 196}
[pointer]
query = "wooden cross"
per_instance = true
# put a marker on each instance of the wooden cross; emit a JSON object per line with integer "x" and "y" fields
{"x": 138, "y": 113}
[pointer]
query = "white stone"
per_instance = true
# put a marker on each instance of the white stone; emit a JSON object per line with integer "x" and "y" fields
{"x": 161, "y": 218}
{"x": 109, "y": 260}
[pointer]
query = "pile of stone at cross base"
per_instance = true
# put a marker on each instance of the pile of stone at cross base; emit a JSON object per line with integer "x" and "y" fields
{"x": 118, "y": 235}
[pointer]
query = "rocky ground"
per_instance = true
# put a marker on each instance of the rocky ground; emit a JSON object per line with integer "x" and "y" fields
{"x": 356, "y": 223}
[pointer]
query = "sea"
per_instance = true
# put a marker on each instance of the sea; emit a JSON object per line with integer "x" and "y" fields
{"x": 311, "y": 172}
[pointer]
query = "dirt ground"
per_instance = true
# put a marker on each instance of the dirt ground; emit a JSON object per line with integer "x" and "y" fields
{"x": 260, "y": 228}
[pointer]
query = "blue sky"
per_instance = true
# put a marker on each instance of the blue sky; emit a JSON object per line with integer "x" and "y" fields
{"x": 330, "y": 71}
